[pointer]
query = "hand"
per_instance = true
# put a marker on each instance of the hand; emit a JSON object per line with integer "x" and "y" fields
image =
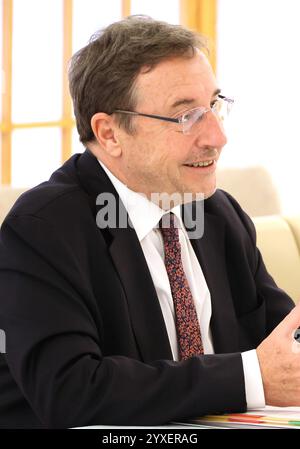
{"x": 279, "y": 360}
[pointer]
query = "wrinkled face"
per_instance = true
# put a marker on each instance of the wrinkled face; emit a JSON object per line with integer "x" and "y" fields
{"x": 157, "y": 157}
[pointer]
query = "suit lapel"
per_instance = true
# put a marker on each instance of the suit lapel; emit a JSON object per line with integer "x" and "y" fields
{"x": 210, "y": 251}
{"x": 129, "y": 261}
{"x": 147, "y": 319}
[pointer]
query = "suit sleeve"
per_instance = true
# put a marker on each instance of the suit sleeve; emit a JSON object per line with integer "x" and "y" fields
{"x": 54, "y": 347}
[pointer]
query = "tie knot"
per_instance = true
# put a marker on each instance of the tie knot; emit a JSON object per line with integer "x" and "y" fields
{"x": 168, "y": 228}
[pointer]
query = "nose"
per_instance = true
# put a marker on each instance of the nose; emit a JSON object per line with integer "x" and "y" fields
{"x": 212, "y": 133}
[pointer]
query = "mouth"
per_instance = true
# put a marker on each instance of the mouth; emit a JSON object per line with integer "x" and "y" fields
{"x": 202, "y": 166}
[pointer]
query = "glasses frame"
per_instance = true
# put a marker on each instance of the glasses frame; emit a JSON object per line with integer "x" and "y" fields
{"x": 179, "y": 120}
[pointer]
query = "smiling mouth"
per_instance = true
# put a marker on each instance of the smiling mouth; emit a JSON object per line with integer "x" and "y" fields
{"x": 201, "y": 164}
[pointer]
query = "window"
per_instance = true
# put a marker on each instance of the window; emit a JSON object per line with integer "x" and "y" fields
{"x": 36, "y": 120}
{"x": 167, "y": 10}
{"x": 90, "y": 16}
{"x": 37, "y": 61}
{"x": 258, "y": 65}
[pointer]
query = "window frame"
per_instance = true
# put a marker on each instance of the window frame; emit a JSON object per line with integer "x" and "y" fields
{"x": 195, "y": 14}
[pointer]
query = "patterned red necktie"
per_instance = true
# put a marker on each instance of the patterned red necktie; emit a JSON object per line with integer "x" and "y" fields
{"x": 187, "y": 325}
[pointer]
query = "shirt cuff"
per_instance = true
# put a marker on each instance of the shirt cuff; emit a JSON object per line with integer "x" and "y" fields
{"x": 255, "y": 396}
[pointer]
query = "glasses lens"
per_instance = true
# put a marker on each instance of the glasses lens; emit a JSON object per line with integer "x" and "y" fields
{"x": 222, "y": 107}
{"x": 191, "y": 118}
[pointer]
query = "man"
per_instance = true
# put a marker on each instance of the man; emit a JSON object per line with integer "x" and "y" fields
{"x": 139, "y": 324}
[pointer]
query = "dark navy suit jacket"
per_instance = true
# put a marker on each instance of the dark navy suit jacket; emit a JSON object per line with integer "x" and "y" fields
{"x": 86, "y": 339}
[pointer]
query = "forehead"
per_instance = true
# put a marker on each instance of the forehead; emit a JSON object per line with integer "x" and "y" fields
{"x": 176, "y": 78}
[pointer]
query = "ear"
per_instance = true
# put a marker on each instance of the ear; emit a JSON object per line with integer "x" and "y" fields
{"x": 104, "y": 129}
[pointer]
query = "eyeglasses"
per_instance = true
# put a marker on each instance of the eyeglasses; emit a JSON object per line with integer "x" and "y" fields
{"x": 188, "y": 121}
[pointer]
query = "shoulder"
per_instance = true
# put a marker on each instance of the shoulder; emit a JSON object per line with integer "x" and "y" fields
{"x": 42, "y": 197}
{"x": 60, "y": 197}
{"x": 226, "y": 208}
{"x": 53, "y": 222}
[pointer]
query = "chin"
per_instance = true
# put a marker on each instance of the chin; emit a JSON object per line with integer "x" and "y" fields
{"x": 206, "y": 190}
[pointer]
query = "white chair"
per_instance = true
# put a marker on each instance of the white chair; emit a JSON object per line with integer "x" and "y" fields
{"x": 8, "y": 196}
{"x": 252, "y": 187}
{"x": 278, "y": 239}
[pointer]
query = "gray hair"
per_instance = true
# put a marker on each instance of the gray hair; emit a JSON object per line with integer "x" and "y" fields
{"x": 102, "y": 74}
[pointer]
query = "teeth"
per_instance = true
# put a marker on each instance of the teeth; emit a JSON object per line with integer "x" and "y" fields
{"x": 201, "y": 164}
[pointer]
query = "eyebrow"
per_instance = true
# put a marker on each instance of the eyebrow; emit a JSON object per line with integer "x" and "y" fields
{"x": 188, "y": 101}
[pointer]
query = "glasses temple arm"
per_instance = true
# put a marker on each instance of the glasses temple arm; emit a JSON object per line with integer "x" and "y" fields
{"x": 159, "y": 117}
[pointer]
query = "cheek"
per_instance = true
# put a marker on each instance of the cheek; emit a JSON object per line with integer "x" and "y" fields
{"x": 144, "y": 161}
{"x": 159, "y": 154}
{"x": 176, "y": 148}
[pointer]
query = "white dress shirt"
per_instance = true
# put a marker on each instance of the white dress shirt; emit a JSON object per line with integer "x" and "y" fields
{"x": 144, "y": 216}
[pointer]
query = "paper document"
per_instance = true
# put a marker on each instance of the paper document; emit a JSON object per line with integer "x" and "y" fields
{"x": 267, "y": 417}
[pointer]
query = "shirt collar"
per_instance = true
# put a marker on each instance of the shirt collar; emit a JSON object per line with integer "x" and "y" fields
{"x": 143, "y": 213}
